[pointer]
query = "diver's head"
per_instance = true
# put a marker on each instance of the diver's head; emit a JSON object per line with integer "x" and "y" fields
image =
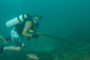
{"x": 36, "y": 18}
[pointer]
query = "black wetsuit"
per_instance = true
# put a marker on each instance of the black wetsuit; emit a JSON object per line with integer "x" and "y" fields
{"x": 16, "y": 32}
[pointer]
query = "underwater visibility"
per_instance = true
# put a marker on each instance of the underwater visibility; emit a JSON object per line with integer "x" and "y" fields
{"x": 44, "y": 30}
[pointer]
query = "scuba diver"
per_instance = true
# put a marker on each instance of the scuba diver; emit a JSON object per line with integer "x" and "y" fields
{"x": 23, "y": 24}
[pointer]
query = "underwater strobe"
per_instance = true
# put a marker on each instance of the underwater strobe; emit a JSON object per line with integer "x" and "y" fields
{"x": 16, "y": 20}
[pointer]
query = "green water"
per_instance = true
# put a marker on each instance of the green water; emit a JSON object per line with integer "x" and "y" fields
{"x": 67, "y": 19}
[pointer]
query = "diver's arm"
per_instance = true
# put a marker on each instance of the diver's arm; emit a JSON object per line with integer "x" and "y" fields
{"x": 2, "y": 38}
{"x": 27, "y": 26}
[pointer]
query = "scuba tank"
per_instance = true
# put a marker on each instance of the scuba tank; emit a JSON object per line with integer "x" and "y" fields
{"x": 17, "y": 20}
